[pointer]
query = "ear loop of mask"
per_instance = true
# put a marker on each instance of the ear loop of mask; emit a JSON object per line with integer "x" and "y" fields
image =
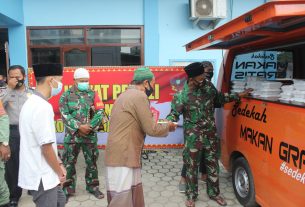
{"x": 197, "y": 82}
{"x": 150, "y": 90}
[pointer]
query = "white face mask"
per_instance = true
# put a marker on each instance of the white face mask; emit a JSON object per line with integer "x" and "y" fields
{"x": 56, "y": 91}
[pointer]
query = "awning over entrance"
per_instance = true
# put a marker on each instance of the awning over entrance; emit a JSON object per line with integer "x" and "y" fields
{"x": 261, "y": 27}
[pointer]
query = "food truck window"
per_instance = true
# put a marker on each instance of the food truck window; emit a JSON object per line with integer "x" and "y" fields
{"x": 263, "y": 65}
{"x": 276, "y": 75}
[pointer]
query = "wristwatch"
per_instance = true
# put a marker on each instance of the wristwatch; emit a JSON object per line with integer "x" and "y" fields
{"x": 5, "y": 144}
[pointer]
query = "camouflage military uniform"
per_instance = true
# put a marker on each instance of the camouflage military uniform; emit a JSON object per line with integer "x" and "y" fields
{"x": 197, "y": 107}
{"x": 4, "y": 137}
{"x": 75, "y": 107}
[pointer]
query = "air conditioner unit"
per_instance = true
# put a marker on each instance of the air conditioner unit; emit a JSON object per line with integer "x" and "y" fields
{"x": 207, "y": 9}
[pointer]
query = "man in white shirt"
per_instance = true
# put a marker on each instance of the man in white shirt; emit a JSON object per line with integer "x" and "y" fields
{"x": 41, "y": 171}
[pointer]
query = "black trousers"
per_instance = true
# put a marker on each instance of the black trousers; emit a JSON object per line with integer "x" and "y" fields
{"x": 12, "y": 165}
{"x": 202, "y": 167}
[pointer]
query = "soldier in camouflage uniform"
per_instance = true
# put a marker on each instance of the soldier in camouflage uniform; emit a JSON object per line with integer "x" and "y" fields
{"x": 196, "y": 103}
{"x": 5, "y": 155}
{"x": 83, "y": 113}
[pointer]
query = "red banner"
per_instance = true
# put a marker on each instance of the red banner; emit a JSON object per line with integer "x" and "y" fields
{"x": 109, "y": 82}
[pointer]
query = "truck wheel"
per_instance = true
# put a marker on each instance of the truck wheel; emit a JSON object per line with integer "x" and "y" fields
{"x": 243, "y": 182}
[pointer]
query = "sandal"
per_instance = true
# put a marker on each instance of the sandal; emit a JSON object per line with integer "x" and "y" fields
{"x": 220, "y": 200}
{"x": 98, "y": 194}
{"x": 190, "y": 203}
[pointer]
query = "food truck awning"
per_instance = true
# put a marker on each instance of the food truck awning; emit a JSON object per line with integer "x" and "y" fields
{"x": 258, "y": 27}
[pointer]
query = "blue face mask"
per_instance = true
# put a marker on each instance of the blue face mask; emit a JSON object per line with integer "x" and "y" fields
{"x": 84, "y": 86}
{"x": 55, "y": 91}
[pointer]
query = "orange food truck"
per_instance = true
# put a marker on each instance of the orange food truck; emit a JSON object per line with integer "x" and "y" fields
{"x": 263, "y": 136}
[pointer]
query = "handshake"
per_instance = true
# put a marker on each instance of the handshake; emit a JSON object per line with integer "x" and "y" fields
{"x": 171, "y": 125}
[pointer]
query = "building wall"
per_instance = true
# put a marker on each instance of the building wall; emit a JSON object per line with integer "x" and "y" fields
{"x": 17, "y": 45}
{"x": 80, "y": 12}
{"x": 11, "y": 12}
{"x": 167, "y": 27}
{"x": 11, "y": 17}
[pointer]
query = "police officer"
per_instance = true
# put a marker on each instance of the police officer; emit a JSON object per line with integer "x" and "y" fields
{"x": 196, "y": 102}
{"x": 14, "y": 98}
{"x": 82, "y": 113}
{"x": 4, "y": 156}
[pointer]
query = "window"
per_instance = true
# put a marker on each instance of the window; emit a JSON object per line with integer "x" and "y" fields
{"x": 265, "y": 65}
{"x": 276, "y": 75}
{"x": 86, "y": 46}
{"x": 116, "y": 55}
{"x": 45, "y": 55}
{"x": 96, "y": 36}
{"x": 75, "y": 57}
{"x": 56, "y": 36}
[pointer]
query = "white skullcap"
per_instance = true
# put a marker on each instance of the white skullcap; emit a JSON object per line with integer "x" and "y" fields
{"x": 81, "y": 73}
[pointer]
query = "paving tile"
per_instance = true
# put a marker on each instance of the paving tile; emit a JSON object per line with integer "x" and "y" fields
{"x": 155, "y": 205}
{"x": 159, "y": 175}
{"x": 157, "y": 167}
{"x": 157, "y": 188}
{"x": 82, "y": 197}
{"x": 73, "y": 203}
{"x": 163, "y": 200}
{"x": 162, "y": 170}
{"x": 166, "y": 178}
{"x": 88, "y": 203}
{"x": 229, "y": 195}
{"x": 172, "y": 205}
{"x": 171, "y": 188}
{"x": 167, "y": 193}
{"x": 154, "y": 194}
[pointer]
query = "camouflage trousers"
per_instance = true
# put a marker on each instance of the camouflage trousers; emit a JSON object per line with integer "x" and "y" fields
{"x": 71, "y": 151}
{"x": 4, "y": 191}
{"x": 196, "y": 143}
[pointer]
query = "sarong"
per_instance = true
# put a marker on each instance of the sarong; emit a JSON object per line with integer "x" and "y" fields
{"x": 124, "y": 187}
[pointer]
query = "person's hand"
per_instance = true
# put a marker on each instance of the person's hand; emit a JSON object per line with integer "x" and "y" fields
{"x": 63, "y": 169}
{"x": 5, "y": 152}
{"x": 62, "y": 174}
{"x": 12, "y": 82}
{"x": 84, "y": 129}
{"x": 245, "y": 92}
{"x": 172, "y": 126}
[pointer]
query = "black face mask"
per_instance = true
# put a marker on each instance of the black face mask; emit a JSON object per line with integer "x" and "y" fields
{"x": 20, "y": 83}
{"x": 2, "y": 83}
{"x": 149, "y": 91}
{"x": 209, "y": 75}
